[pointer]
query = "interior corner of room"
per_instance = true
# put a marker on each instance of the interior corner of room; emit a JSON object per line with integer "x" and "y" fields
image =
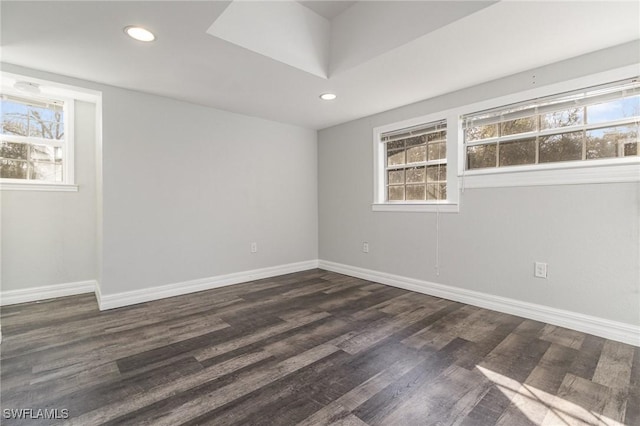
{"x": 193, "y": 181}
{"x": 210, "y": 197}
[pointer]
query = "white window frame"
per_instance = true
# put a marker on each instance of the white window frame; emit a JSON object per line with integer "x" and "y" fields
{"x": 610, "y": 170}
{"x": 450, "y": 205}
{"x": 52, "y": 92}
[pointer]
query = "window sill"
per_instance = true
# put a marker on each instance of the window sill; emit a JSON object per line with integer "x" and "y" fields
{"x": 20, "y": 186}
{"x": 416, "y": 207}
{"x": 604, "y": 171}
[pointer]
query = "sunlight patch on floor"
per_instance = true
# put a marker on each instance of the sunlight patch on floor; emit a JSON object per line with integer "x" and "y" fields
{"x": 543, "y": 408}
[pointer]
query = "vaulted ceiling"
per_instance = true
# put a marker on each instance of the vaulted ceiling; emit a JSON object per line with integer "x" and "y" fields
{"x": 274, "y": 59}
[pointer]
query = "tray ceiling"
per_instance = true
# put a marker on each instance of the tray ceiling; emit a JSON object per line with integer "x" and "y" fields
{"x": 375, "y": 55}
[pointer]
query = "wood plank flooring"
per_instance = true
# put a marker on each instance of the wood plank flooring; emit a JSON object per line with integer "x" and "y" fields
{"x": 311, "y": 348}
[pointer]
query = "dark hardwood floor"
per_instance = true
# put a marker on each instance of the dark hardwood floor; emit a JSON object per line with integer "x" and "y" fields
{"x": 310, "y": 348}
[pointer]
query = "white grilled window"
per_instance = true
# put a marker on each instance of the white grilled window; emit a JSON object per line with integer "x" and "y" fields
{"x": 416, "y": 163}
{"x": 34, "y": 140}
{"x": 594, "y": 123}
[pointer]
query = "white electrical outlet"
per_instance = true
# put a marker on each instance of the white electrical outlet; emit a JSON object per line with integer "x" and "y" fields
{"x": 254, "y": 247}
{"x": 540, "y": 270}
{"x": 365, "y": 247}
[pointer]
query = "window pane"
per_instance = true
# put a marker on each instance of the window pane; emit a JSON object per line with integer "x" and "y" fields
{"x": 406, "y": 173}
{"x": 13, "y": 125}
{"x": 36, "y": 130}
{"x": 415, "y": 175}
{"x": 14, "y": 150}
{"x": 481, "y": 156}
{"x": 436, "y": 191}
{"x": 46, "y": 129}
{"x": 395, "y": 145}
{"x": 418, "y": 140}
{"x": 568, "y": 117}
{"x": 603, "y": 143}
{"x": 437, "y": 136}
{"x": 437, "y": 151}
{"x": 52, "y": 113}
{"x": 415, "y": 192}
{"x": 395, "y": 177}
{"x": 630, "y": 149}
{"x": 482, "y": 132}
{"x": 47, "y": 171}
{"x": 519, "y": 125}
{"x": 396, "y": 193}
{"x": 437, "y": 173}
{"x": 18, "y": 118}
{"x": 13, "y": 169}
{"x": 42, "y": 153}
{"x": 614, "y": 110}
{"x": 443, "y": 191}
{"x": 417, "y": 154}
{"x": 57, "y": 130}
{"x": 10, "y": 108}
{"x": 565, "y": 147}
{"x": 607, "y": 118}
{"x": 518, "y": 152}
{"x": 395, "y": 157}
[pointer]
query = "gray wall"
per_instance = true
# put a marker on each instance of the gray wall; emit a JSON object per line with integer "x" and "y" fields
{"x": 184, "y": 190}
{"x": 588, "y": 234}
{"x": 188, "y": 188}
{"x": 49, "y": 237}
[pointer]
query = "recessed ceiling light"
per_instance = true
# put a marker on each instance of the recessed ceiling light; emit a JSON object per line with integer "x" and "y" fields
{"x": 139, "y": 33}
{"x": 328, "y": 96}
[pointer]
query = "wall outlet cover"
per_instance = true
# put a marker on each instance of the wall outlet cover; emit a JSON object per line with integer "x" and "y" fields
{"x": 540, "y": 270}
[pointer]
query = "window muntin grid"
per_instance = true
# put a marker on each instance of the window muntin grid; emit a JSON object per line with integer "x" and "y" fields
{"x": 594, "y": 123}
{"x": 416, "y": 163}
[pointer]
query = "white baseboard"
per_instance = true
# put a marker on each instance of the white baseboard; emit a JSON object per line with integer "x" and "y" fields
{"x": 621, "y": 332}
{"x": 11, "y": 297}
{"x": 110, "y": 301}
{"x": 614, "y": 330}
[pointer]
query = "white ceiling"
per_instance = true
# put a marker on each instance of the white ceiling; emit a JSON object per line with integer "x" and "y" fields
{"x": 284, "y": 31}
{"x": 382, "y": 54}
{"x": 327, "y": 9}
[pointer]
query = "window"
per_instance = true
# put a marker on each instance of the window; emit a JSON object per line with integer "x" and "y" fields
{"x": 411, "y": 165}
{"x": 590, "y": 124}
{"x": 416, "y": 163}
{"x": 35, "y": 142}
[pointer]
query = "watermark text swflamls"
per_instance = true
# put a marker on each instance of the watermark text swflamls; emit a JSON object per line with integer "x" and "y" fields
{"x": 35, "y": 413}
